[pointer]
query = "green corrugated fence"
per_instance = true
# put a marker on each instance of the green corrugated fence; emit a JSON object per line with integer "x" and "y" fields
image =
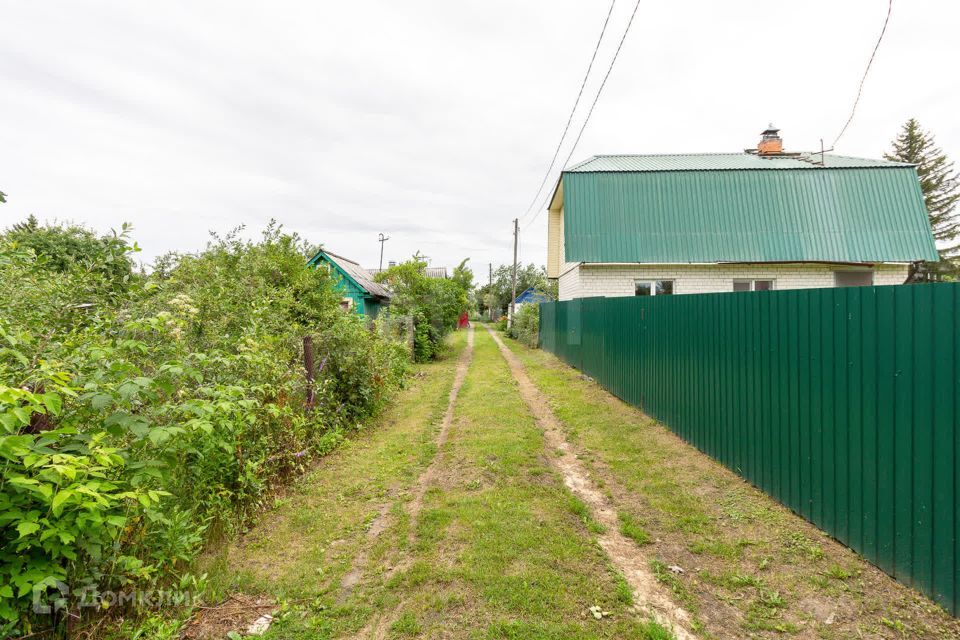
{"x": 839, "y": 403}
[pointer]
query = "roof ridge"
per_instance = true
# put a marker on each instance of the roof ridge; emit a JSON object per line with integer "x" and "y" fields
{"x": 664, "y": 155}
{"x": 337, "y": 255}
{"x": 842, "y": 155}
{"x": 786, "y": 155}
{"x": 583, "y": 162}
{"x": 732, "y": 161}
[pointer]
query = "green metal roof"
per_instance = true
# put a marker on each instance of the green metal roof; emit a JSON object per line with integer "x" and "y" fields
{"x": 353, "y": 272}
{"x": 741, "y": 208}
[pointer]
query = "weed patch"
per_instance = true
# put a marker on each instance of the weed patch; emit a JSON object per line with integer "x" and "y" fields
{"x": 632, "y": 529}
{"x": 676, "y": 585}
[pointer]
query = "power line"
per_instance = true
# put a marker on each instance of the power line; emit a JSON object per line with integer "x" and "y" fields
{"x": 865, "y": 72}
{"x": 572, "y": 111}
{"x": 592, "y": 106}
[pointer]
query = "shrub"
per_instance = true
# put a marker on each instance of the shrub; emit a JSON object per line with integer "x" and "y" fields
{"x": 526, "y": 325}
{"x": 62, "y": 248}
{"x": 435, "y": 304}
{"x": 136, "y": 421}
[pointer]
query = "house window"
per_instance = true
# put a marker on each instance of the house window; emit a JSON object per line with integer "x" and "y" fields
{"x": 652, "y": 287}
{"x": 853, "y": 278}
{"x": 752, "y": 285}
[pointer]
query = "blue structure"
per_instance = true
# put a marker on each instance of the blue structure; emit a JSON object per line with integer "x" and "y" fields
{"x": 531, "y": 295}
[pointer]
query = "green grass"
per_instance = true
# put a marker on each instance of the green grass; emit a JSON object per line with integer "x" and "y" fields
{"x": 654, "y": 631}
{"x": 680, "y": 590}
{"x": 406, "y": 625}
{"x": 516, "y": 545}
{"x": 624, "y": 592}
{"x": 581, "y": 511}
{"x": 801, "y": 547}
{"x": 632, "y": 529}
{"x": 501, "y": 548}
{"x": 839, "y": 573}
{"x": 719, "y": 548}
{"x": 733, "y": 581}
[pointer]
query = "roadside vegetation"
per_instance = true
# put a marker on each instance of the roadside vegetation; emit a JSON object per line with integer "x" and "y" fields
{"x": 526, "y": 325}
{"x": 433, "y": 303}
{"x": 142, "y": 416}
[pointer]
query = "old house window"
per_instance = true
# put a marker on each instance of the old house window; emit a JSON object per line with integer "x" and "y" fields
{"x": 752, "y": 285}
{"x": 652, "y": 287}
{"x": 853, "y": 278}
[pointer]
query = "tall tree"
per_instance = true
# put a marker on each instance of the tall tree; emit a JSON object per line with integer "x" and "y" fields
{"x": 463, "y": 276}
{"x": 3, "y": 196}
{"x": 940, "y": 185}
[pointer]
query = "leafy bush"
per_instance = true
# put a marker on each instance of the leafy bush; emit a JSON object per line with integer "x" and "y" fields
{"x": 435, "y": 304}
{"x": 73, "y": 247}
{"x": 526, "y": 325}
{"x": 137, "y": 419}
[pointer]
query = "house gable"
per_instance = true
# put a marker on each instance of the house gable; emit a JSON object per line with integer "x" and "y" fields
{"x": 366, "y": 295}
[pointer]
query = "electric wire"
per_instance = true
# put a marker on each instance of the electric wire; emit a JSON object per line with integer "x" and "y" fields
{"x": 576, "y": 103}
{"x": 593, "y": 105}
{"x": 863, "y": 80}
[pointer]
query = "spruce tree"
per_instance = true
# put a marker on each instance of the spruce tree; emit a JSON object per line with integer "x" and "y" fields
{"x": 30, "y": 225}
{"x": 940, "y": 185}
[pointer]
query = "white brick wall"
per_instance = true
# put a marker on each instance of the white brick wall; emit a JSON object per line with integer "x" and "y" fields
{"x": 568, "y": 285}
{"x": 586, "y": 280}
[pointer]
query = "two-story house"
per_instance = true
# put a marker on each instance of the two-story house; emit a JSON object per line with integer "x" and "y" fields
{"x": 629, "y": 225}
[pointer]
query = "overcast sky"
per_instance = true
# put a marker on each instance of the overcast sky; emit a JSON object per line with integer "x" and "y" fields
{"x": 432, "y": 122}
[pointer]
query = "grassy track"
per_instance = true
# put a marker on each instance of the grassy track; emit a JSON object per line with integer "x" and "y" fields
{"x": 302, "y": 552}
{"x": 751, "y": 568}
{"x": 501, "y": 549}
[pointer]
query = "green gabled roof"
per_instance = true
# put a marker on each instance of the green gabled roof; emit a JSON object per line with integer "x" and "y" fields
{"x": 352, "y": 272}
{"x": 741, "y": 207}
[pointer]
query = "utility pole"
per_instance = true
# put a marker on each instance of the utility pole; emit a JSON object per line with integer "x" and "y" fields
{"x": 490, "y": 295}
{"x": 381, "y": 240}
{"x": 513, "y": 298}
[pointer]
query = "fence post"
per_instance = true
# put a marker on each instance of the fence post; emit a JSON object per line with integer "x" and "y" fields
{"x": 410, "y": 339}
{"x": 308, "y": 366}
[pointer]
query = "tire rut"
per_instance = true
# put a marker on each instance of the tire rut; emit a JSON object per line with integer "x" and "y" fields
{"x": 424, "y": 481}
{"x": 623, "y": 553}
